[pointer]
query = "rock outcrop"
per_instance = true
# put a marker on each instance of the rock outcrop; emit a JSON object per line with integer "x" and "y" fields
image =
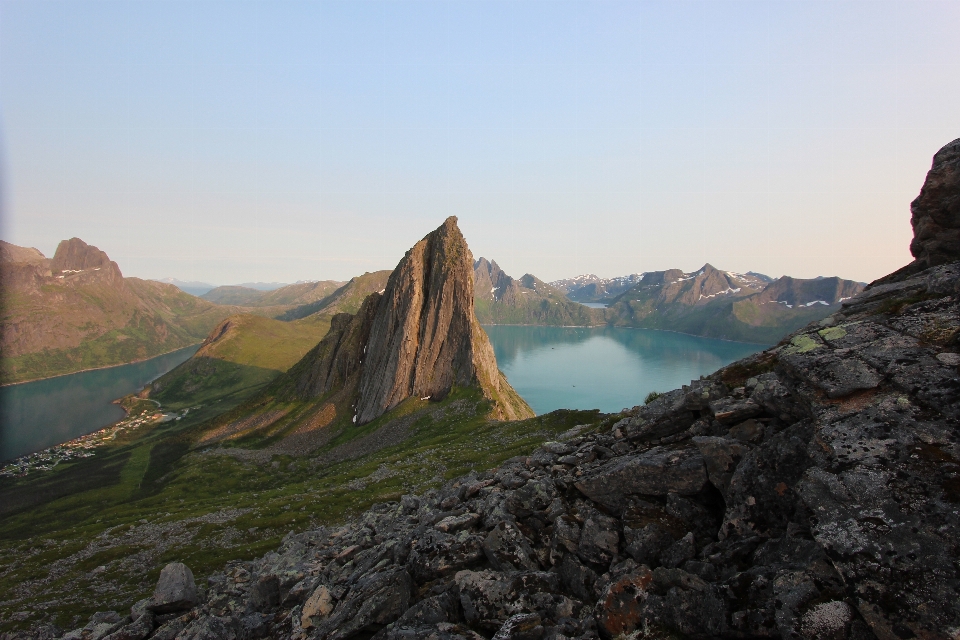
{"x": 419, "y": 337}
{"x": 936, "y": 211}
{"x": 75, "y": 255}
{"x": 13, "y": 253}
{"x": 336, "y": 360}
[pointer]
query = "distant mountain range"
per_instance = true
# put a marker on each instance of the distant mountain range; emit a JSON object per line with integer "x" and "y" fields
{"x": 192, "y": 287}
{"x": 289, "y": 294}
{"x": 591, "y": 288}
{"x": 723, "y": 304}
{"x": 196, "y": 288}
{"x": 749, "y": 307}
{"x": 77, "y": 311}
{"x": 501, "y": 299}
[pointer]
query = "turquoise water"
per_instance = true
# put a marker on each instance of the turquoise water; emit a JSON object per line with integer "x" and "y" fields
{"x": 37, "y": 415}
{"x": 604, "y": 368}
{"x": 551, "y": 367}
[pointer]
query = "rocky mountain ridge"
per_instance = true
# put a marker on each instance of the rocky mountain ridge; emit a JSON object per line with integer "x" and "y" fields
{"x": 501, "y": 299}
{"x": 724, "y": 304}
{"x": 809, "y": 491}
{"x": 591, "y": 288}
{"x": 708, "y": 302}
{"x": 10, "y": 253}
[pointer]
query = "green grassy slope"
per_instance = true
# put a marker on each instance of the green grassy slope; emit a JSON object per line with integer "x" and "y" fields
{"x": 345, "y": 299}
{"x": 241, "y": 355}
{"x": 290, "y": 295}
{"x": 63, "y": 329}
{"x": 230, "y": 294}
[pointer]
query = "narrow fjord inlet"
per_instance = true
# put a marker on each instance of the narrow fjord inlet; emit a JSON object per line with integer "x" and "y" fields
{"x": 40, "y": 414}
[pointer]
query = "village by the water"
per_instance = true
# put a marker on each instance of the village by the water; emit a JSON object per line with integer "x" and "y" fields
{"x": 84, "y": 446}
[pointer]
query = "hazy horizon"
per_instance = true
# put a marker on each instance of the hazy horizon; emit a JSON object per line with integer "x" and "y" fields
{"x": 240, "y": 142}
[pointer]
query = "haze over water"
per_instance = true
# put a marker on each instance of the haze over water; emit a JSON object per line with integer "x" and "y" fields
{"x": 606, "y": 368}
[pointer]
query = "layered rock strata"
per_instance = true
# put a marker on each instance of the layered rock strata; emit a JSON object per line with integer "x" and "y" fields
{"x": 419, "y": 337}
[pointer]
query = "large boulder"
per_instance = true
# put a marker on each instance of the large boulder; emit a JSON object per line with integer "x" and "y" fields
{"x": 376, "y": 600}
{"x": 176, "y": 590}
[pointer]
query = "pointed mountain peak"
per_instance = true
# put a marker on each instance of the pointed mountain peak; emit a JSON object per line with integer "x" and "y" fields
{"x": 75, "y": 255}
{"x": 425, "y": 339}
{"x": 418, "y": 338}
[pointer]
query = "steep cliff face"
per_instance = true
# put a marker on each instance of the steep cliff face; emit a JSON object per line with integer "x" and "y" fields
{"x": 418, "y": 338}
{"x": 336, "y": 361}
{"x": 422, "y": 341}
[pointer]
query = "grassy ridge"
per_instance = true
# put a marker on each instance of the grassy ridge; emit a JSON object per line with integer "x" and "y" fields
{"x": 290, "y": 295}
{"x": 346, "y": 299}
{"x": 249, "y": 352}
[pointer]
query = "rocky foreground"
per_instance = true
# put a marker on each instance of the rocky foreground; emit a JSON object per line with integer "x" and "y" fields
{"x": 810, "y": 491}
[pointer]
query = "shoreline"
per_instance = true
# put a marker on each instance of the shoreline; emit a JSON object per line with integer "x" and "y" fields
{"x": 108, "y": 366}
{"x": 609, "y": 326}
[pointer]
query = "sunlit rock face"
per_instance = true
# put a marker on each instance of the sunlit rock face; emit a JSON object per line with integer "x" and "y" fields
{"x": 425, "y": 338}
{"x": 419, "y": 337}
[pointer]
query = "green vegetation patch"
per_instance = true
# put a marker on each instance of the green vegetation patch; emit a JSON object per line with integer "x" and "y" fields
{"x": 802, "y": 343}
{"x": 832, "y": 333}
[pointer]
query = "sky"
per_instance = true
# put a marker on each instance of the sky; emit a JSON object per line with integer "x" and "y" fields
{"x": 280, "y": 141}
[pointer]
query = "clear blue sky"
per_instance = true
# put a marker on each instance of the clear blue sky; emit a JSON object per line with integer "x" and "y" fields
{"x": 278, "y": 141}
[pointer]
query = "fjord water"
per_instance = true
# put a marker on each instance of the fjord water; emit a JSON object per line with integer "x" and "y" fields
{"x": 37, "y": 415}
{"x": 606, "y": 368}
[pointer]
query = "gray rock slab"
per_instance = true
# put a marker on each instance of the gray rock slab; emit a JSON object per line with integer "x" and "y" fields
{"x": 656, "y": 472}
